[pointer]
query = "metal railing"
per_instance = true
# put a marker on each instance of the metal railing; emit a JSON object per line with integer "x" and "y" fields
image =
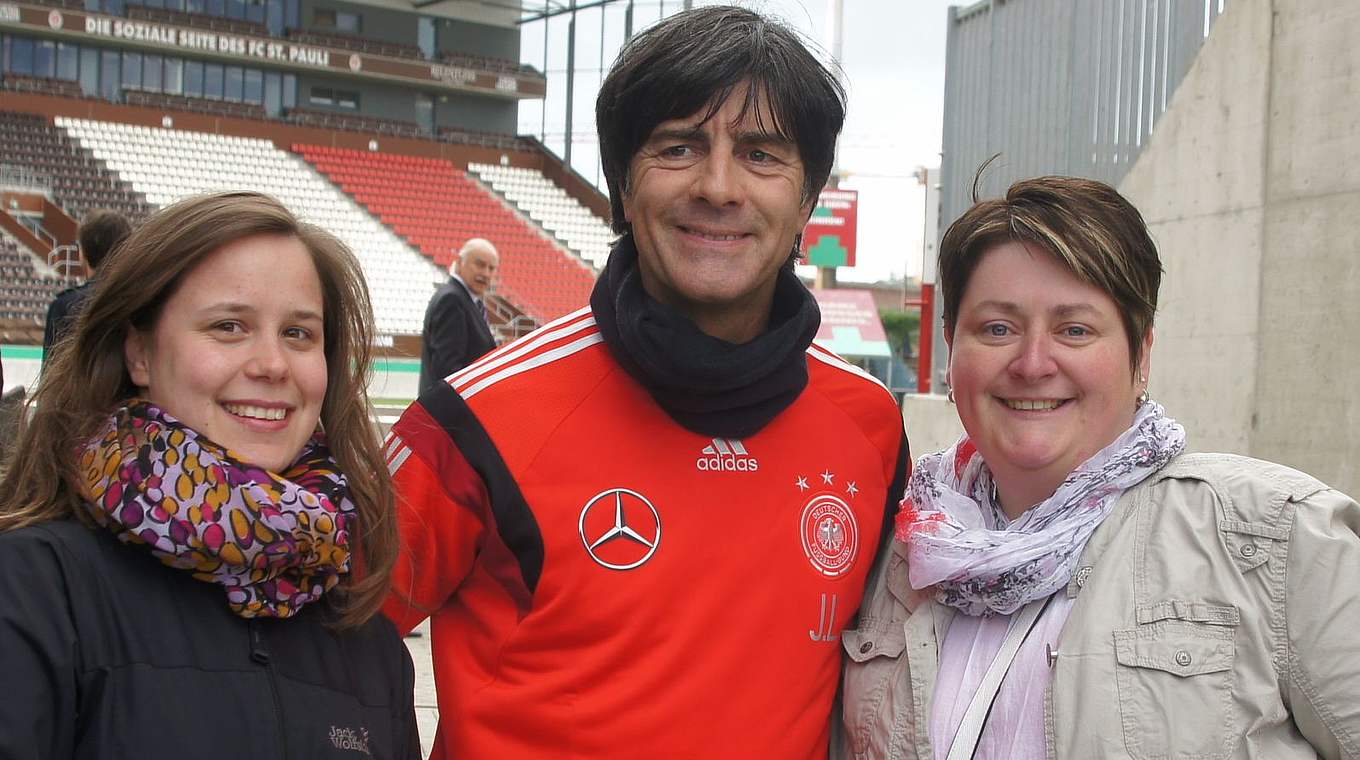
{"x": 22, "y": 178}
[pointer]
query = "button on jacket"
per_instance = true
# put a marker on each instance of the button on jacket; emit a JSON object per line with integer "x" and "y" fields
{"x": 1216, "y": 615}
{"x": 107, "y": 653}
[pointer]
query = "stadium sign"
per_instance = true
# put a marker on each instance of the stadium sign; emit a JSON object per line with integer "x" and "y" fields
{"x": 850, "y": 323}
{"x": 74, "y": 25}
{"x": 829, "y": 238}
{"x": 207, "y": 42}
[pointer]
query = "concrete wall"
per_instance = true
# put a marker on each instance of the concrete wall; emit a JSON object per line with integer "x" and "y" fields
{"x": 1199, "y": 184}
{"x": 932, "y": 423}
{"x": 1251, "y": 186}
{"x": 1307, "y": 414}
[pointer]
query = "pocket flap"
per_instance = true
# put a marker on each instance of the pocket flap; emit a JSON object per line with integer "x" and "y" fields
{"x": 1195, "y": 612}
{"x": 868, "y": 641}
{"x": 1180, "y": 656}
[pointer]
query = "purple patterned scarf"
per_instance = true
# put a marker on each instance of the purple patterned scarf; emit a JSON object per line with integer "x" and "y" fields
{"x": 959, "y": 542}
{"x": 274, "y": 541}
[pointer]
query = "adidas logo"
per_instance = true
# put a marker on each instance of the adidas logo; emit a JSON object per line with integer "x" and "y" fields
{"x": 726, "y": 455}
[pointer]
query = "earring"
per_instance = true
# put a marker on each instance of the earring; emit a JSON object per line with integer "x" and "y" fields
{"x": 949, "y": 396}
{"x": 1142, "y": 397}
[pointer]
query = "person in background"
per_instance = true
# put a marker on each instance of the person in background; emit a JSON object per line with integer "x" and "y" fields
{"x": 1068, "y": 581}
{"x": 100, "y": 232}
{"x": 639, "y": 530}
{"x": 456, "y": 330}
{"x": 196, "y": 527}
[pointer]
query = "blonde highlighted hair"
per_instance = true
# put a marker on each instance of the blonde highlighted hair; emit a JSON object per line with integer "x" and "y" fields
{"x": 1087, "y": 226}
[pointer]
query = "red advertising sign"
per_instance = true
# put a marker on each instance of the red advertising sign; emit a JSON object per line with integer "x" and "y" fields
{"x": 829, "y": 238}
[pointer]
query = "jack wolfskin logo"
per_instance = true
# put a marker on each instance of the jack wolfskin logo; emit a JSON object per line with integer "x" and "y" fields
{"x": 346, "y": 738}
{"x": 726, "y": 455}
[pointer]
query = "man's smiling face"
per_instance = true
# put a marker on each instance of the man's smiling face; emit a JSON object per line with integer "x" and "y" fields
{"x": 715, "y": 206}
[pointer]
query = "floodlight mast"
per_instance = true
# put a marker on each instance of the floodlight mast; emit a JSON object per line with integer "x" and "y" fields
{"x": 835, "y": 16}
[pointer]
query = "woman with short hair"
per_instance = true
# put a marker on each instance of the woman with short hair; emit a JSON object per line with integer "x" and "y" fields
{"x": 196, "y": 528}
{"x": 1067, "y": 581}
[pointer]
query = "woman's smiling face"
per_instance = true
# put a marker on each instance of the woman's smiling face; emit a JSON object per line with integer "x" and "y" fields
{"x": 238, "y": 350}
{"x": 1039, "y": 366}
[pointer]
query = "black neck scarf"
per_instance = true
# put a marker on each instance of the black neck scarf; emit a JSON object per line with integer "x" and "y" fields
{"x": 706, "y": 384}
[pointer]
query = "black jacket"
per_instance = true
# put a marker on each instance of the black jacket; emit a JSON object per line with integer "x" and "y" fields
{"x": 107, "y": 653}
{"x": 455, "y": 334}
{"x": 61, "y": 315}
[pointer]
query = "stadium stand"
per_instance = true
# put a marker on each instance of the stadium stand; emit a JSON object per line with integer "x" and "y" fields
{"x": 75, "y": 5}
{"x": 485, "y": 139}
{"x": 170, "y": 164}
{"x": 24, "y": 293}
{"x": 161, "y": 100}
{"x": 200, "y": 20}
{"x": 488, "y": 63}
{"x": 315, "y": 117}
{"x": 357, "y": 44}
{"x": 79, "y": 182}
{"x": 437, "y": 208}
{"x": 587, "y": 235}
{"x": 41, "y": 85}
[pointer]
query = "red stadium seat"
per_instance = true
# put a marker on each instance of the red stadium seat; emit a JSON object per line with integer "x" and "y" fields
{"x": 436, "y": 207}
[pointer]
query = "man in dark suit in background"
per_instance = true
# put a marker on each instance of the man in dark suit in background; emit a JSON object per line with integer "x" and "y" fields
{"x": 456, "y": 331}
{"x": 100, "y": 232}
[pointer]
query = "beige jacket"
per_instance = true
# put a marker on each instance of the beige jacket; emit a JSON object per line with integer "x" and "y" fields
{"x": 1217, "y": 615}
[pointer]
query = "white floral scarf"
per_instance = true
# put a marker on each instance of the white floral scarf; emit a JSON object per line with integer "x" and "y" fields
{"x": 959, "y": 543}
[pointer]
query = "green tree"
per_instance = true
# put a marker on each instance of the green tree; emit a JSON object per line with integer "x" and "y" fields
{"x": 900, "y": 326}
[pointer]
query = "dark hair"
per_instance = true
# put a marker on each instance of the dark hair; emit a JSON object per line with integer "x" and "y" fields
{"x": 100, "y": 232}
{"x": 88, "y": 378}
{"x": 693, "y": 60}
{"x": 1087, "y": 226}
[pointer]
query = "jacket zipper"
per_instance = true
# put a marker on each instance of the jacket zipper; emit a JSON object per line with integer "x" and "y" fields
{"x": 259, "y": 653}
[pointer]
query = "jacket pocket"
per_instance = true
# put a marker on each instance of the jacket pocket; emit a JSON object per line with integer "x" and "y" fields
{"x": 1175, "y": 679}
{"x": 873, "y": 697}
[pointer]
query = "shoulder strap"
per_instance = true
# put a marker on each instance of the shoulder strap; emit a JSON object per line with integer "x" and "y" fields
{"x": 975, "y": 717}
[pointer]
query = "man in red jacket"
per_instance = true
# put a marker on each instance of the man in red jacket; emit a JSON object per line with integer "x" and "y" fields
{"x": 640, "y": 530}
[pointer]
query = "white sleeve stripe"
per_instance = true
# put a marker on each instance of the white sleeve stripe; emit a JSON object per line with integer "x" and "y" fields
{"x": 398, "y": 460}
{"x": 537, "y": 340}
{"x": 538, "y": 360}
{"x": 830, "y": 359}
{"x": 393, "y": 443}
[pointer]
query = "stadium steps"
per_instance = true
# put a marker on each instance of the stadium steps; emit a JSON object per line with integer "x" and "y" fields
{"x": 437, "y": 208}
{"x": 25, "y": 292}
{"x": 524, "y": 216}
{"x": 168, "y": 165}
{"x": 78, "y": 181}
{"x": 550, "y": 207}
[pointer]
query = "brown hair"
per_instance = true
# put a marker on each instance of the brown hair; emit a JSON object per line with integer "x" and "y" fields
{"x": 1086, "y": 225}
{"x": 88, "y": 379}
{"x": 100, "y": 232}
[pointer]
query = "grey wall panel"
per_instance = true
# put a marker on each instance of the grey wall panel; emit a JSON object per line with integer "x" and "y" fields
{"x": 1070, "y": 87}
{"x": 471, "y": 112}
{"x": 456, "y": 36}
{"x": 1059, "y": 87}
{"x": 374, "y": 99}
{"x": 378, "y": 23}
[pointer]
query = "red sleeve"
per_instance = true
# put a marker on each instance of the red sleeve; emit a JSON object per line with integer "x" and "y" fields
{"x": 442, "y": 508}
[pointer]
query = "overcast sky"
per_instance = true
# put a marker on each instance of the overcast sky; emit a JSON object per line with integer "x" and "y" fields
{"x": 893, "y": 57}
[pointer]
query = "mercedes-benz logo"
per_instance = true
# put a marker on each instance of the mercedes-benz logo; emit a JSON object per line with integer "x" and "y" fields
{"x": 620, "y": 529}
